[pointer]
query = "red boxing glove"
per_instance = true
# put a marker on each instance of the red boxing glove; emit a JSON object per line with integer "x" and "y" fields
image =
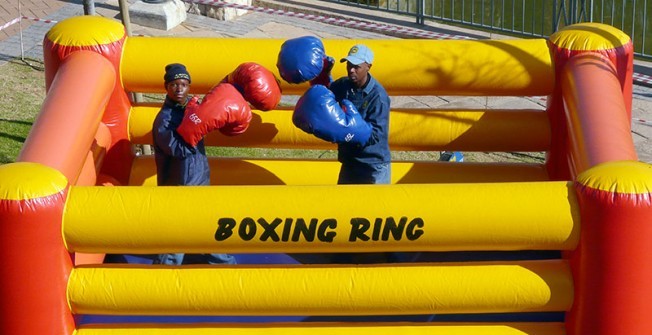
{"x": 222, "y": 108}
{"x": 257, "y": 85}
{"x": 325, "y": 78}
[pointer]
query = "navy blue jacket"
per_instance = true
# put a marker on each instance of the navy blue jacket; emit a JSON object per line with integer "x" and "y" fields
{"x": 372, "y": 103}
{"x": 177, "y": 163}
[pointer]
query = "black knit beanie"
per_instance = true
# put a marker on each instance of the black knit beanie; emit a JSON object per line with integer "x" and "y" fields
{"x": 175, "y": 71}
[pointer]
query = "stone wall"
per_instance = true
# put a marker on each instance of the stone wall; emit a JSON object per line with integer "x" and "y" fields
{"x": 217, "y": 12}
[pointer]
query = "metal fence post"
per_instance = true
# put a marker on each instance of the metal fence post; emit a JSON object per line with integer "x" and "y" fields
{"x": 564, "y": 13}
{"x": 89, "y": 7}
{"x": 421, "y": 5}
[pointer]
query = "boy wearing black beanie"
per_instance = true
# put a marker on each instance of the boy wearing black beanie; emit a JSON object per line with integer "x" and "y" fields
{"x": 177, "y": 162}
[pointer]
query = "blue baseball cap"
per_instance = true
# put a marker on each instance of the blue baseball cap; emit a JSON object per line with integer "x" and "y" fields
{"x": 359, "y": 54}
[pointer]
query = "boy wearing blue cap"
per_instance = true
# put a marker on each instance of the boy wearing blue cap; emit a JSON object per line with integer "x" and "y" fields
{"x": 368, "y": 163}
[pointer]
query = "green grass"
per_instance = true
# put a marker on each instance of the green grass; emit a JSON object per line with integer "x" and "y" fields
{"x": 271, "y": 153}
{"x": 22, "y": 92}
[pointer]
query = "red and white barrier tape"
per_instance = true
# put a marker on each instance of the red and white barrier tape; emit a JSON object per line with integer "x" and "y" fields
{"x": 332, "y": 20}
{"x": 642, "y": 78}
{"x": 16, "y": 20}
{"x": 38, "y": 20}
{"x": 642, "y": 121}
{"x": 10, "y": 23}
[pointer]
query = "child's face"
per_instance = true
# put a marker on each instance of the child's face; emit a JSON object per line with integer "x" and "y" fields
{"x": 178, "y": 90}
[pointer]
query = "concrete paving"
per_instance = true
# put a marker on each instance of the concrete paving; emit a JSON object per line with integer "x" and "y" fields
{"x": 27, "y": 41}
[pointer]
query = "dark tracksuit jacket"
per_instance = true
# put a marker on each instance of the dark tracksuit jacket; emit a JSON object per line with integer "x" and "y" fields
{"x": 177, "y": 163}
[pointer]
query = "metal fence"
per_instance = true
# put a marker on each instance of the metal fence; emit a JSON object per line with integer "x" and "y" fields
{"x": 528, "y": 18}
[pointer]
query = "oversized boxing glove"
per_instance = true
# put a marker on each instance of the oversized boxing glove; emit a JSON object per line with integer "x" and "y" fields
{"x": 317, "y": 112}
{"x": 301, "y": 59}
{"x": 257, "y": 85}
{"x": 222, "y": 108}
{"x": 325, "y": 78}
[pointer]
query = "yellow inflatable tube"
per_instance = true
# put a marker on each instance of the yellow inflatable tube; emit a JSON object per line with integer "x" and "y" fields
{"x": 405, "y": 67}
{"x": 252, "y": 219}
{"x": 468, "y": 130}
{"x": 243, "y": 171}
{"x": 282, "y": 290}
{"x": 529, "y": 328}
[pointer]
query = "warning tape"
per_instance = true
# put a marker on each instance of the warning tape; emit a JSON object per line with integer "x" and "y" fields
{"x": 18, "y": 19}
{"x": 642, "y": 121}
{"x": 38, "y": 20}
{"x": 642, "y": 78}
{"x": 10, "y": 23}
{"x": 332, "y": 20}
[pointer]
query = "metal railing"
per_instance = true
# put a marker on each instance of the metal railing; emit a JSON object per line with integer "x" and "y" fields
{"x": 528, "y": 18}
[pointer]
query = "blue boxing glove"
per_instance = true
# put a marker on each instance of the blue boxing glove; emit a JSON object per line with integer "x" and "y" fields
{"x": 301, "y": 59}
{"x": 325, "y": 78}
{"x": 317, "y": 112}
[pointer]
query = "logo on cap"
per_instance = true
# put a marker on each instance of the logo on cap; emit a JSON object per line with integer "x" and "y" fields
{"x": 359, "y": 54}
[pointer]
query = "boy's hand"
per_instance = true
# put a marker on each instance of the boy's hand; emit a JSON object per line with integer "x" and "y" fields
{"x": 325, "y": 78}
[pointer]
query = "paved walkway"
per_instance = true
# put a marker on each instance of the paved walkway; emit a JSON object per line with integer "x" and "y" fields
{"x": 27, "y": 41}
{"x": 12, "y": 9}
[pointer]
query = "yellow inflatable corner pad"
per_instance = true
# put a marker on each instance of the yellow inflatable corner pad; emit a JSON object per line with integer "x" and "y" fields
{"x": 624, "y": 177}
{"x": 86, "y": 30}
{"x": 25, "y": 181}
{"x": 589, "y": 36}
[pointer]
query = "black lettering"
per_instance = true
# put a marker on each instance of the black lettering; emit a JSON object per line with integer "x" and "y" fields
{"x": 323, "y": 234}
{"x": 287, "y": 228}
{"x": 378, "y": 225}
{"x": 224, "y": 228}
{"x": 412, "y": 233}
{"x": 293, "y": 230}
{"x": 358, "y": 228}
{"x": 247, "y": 229}
{"x": 269, "y": 229}
{"x": 307, "y": 231}
{"x": 392, "y": 228}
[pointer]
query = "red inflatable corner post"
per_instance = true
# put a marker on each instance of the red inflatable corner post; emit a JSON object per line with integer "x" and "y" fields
{"x": 612, "y": 266}
{"x": 107, "y": 38}
{"x": 36, "y": 265}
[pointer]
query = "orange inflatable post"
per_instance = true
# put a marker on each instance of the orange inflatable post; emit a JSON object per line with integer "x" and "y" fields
{"x": 598, "y": 122}
{"x": 70, "y": 115}
{"x": 565, "y": 44}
